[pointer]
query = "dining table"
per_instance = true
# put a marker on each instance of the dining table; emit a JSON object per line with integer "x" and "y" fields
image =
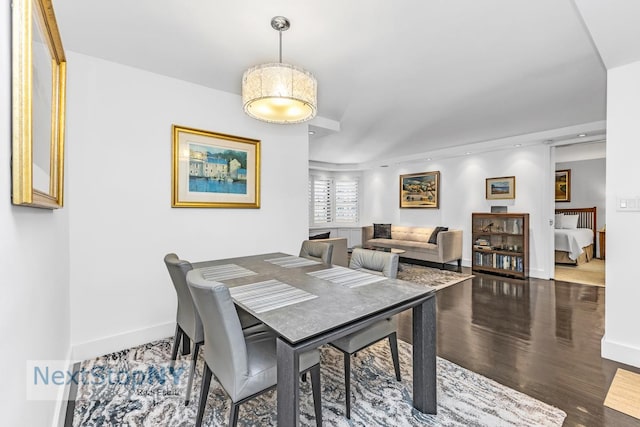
{"x": 308, "y": 304}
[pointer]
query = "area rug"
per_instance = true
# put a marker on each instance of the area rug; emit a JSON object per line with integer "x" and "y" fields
{"x": 464, "y": 397}
{"x": 624, "y": 393}
{"x": 589, "y": 273}
{"x": 430, "y": 276}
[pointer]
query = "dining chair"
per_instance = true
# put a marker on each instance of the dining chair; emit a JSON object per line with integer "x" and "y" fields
{"x": 188, "y": 324}
{"x": 317, "y": 251}
{"x": 245, "y": 365}
{"x": 378, "y": 262}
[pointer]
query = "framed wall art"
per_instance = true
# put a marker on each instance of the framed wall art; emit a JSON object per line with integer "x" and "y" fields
{"x": 563, "y": 185}
{"x": 503, "y": 187}
{"x": 214, "y": 170}
{"x": 38, "y": 104}
{"x": 420, "y": 190}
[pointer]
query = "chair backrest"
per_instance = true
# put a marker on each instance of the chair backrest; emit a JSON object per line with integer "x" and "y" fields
{"x": 318, "y": 251}
{"x": 375, "y": 261}
{"x": 187, "y": 316}
{"x": 225, "y": 349}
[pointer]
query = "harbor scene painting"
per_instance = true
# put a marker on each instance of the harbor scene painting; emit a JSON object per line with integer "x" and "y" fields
{"x": 420, "y": 190}
{"x": 214, "y": 170}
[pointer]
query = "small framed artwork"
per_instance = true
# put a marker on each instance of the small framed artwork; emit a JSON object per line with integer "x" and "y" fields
{"x": 503, "y": 187}
{"x": 563, "y": 185}
{"x": 214, "y": 170}
{"x": 420, "y": 190}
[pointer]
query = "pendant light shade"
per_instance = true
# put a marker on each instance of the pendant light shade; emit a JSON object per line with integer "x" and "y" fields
{"x": 278, "y": 92}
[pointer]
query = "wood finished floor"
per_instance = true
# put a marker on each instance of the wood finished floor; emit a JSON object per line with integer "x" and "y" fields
{"x": 537, "y": 336}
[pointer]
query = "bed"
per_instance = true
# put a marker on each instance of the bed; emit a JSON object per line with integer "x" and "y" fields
{"x": 575, "y": 241}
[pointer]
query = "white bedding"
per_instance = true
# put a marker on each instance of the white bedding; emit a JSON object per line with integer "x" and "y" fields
{"x": 573, "y": 240}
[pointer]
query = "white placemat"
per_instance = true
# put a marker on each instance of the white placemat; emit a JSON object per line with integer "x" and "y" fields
{"x": 347, "y": 277}
{"x": 268, "y": 295}
{"x": 225, "y": 272}
{"x": 292, "y": 261}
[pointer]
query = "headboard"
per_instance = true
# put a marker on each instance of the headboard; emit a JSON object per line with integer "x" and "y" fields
{"x": 586, "y": 218}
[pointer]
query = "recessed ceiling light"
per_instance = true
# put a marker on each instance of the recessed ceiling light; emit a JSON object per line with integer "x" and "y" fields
{"x": 312, "y": 132}
{"x": 428, "y": 159}
{"x": 518, "y": 145}
{"x": 467, "y": 153}
{"x": 582, "y": 135}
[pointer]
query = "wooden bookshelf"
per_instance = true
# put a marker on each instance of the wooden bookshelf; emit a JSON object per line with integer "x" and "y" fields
{"x": 500, "y": 243}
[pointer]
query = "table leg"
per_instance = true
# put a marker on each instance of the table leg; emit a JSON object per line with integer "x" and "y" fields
{"x": 424, "y": 357}
{"x": 288, "y": 386}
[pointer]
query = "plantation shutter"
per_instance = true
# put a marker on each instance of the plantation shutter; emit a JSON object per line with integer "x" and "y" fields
{"x": 346, "y": 201}
{"x": 321, "y": 201}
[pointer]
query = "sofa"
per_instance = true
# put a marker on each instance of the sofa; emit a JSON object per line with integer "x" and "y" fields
{"x": 415, "y": 241}
{"x": 340, "y": 255}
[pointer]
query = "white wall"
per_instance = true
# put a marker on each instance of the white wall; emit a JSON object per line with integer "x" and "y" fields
{"x": 119, "y": 194}
{"x": 622, "y": 339}
{"x": 462, "y": 192}
{"x": 34, "y": 260}
{"x": 588, "y": 181}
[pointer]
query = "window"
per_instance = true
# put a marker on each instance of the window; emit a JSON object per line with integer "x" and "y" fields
{"x": 333, "y": 201}
{"x": 320, "y": 197}
{"x": 346, "y": 201}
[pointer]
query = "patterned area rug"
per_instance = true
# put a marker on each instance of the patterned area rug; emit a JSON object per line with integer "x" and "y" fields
{"x": 430, "y": 276}
{"x": 464, "y": 397}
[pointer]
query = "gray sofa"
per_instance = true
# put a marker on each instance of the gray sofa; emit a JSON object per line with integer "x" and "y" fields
{"x": 415, "y": 241}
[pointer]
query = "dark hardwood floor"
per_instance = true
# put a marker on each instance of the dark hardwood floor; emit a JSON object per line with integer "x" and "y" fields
{"x": 537, "y": 336}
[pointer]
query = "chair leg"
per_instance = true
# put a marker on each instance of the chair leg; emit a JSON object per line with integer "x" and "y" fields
{"x": 317, "y": 397}
{"x": 194, "y": 359}
{"x": 186, "y": 344}
{"x": 233, "y": 416}
{"x": 393, "y": 343}
{"x": 304, "y": 377}
{"x": 347, "y": 383}
{"x": 204, "y": 393}
{"x": 176, "y": 342}
{"x": 460, "y": 264}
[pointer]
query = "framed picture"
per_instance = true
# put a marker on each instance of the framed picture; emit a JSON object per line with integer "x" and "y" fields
{"x": 420, "y": 190}
{"x": 214, "y": 170}
{"x": 38, "y": 98}
{"x": 563, "y": 185}
{"x": 503, "y": 187}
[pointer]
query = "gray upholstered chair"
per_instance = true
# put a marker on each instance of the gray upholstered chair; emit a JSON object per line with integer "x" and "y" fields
{"x": 188, "y": 323}
{"x": 317, "y": 251}
{"x": 378, "y": 262}
{"x": 245, "y": 365}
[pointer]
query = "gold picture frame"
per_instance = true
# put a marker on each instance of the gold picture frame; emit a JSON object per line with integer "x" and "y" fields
{"x": 420, "y": 190}
{"x": 500, "y": 188}
{"x": 214, "y": 170}
{"x": 563, "y": 185}
{"x": 38, "y": 104}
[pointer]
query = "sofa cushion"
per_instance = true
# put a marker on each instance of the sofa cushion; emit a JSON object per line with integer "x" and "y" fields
{"x": 381, "y": 231}
{"x": 434, "y": 235}
{"x": 414, "y": 234}
{"x": 404, "y": 244}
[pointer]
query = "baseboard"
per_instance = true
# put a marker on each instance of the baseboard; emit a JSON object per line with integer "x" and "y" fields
{"x": 60, "y": 412}
{"x": 100, "y": 347}
{"x": 620, "y": 352}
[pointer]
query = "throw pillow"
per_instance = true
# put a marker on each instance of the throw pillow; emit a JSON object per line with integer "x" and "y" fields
{"x": 434, "y": 234}
{"x": 320, "y": 236}
{"x": 570, "y": 221}
{"x": 381, "y": 231}
{"x": 558, "y": 221}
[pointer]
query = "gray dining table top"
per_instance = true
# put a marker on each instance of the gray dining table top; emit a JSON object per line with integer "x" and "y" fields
{"x": 336, "y": 305}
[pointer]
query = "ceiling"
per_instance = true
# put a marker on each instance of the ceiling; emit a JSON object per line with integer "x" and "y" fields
{"x": 401, "y": 78}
